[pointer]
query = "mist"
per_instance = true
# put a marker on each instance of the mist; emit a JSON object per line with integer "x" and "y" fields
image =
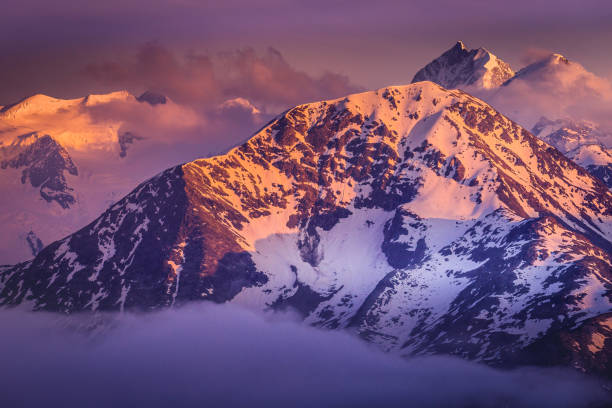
{"x": 224, "y": 356}
{"x": 561, "y": 91}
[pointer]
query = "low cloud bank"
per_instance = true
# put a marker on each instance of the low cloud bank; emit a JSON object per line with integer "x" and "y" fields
{"x": 223, "y": 356}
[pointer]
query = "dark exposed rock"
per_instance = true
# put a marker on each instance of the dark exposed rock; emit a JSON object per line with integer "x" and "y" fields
{"x": 34, "y": 243}
{"x": 460, "y": 66}
{"x": 604, "y": 173}
{"x": 399, "y": 254}
{"x": 587, "y": 347}
{"x": 44, "y": 162}
{"x": 125, "y": 139}
{"x": 152, "y": 98}
{"x": 304, "y": 300}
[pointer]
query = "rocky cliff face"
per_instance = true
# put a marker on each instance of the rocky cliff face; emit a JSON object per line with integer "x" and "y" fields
{"x": 419, "y": 218}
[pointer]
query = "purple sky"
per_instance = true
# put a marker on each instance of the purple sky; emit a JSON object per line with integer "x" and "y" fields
{"x": 46, "y": 45}
{"x": 207, "y": 355}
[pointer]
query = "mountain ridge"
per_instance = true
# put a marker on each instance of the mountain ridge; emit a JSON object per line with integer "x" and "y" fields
{"x": 396, "y": 214}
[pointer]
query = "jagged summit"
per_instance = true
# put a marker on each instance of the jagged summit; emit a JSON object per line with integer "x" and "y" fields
{"x": 461, "y": 67}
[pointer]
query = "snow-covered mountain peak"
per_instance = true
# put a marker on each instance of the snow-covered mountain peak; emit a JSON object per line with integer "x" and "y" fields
{"x": 412, "y": 215}
{"x": 592, "y": 154}
{"x": 39, "y": 104}
{"x": 567, "y": 134}
{"x": 596, "y": 158}
{"x": 462, "y": 67}
{"x": 553, "y": 67}
{"x": 36, "y": 104}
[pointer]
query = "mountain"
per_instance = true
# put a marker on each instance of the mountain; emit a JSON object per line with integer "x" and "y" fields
{"x": 62, "y": 162}
{"x": 596, "y": 159}
{"x": 419, "y": 218}
{"x": 566, "y": 134}
{"x": 542, "y": 69}
{"x": 581, "y": 142}
{"x": 462, "y": 67}
{"x": 551, "y": 87}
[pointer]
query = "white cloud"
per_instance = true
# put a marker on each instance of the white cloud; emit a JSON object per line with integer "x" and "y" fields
{"x": 555, "y": 88}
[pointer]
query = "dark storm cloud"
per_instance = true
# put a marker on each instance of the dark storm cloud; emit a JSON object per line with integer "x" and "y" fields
{"x": 221, "y": 356}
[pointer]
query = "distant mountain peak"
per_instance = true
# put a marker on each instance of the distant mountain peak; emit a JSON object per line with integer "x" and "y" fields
{"x": 541, "y": 68}
{"x": 460, "y": 66}
{"x": 37, "y": 102}
{"x": 40, "y": 103}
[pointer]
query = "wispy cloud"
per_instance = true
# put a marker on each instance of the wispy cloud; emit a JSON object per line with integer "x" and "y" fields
{"x": 556, "y": 90}
{"x": 200, "y": 79}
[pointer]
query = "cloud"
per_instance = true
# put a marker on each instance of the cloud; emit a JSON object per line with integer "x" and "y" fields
{"x": 561, "y": 89}
{"x": 375, "y": 44}
{"x": 533, "y": 54}
{"x": 190, "y": 132}
{"x": 217, "y": 100}
{"x": 223, "y": 356}
{"x": 202, "y": 80}
{"x": 166, "y": 123}
{"x": 268, "y": 79}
